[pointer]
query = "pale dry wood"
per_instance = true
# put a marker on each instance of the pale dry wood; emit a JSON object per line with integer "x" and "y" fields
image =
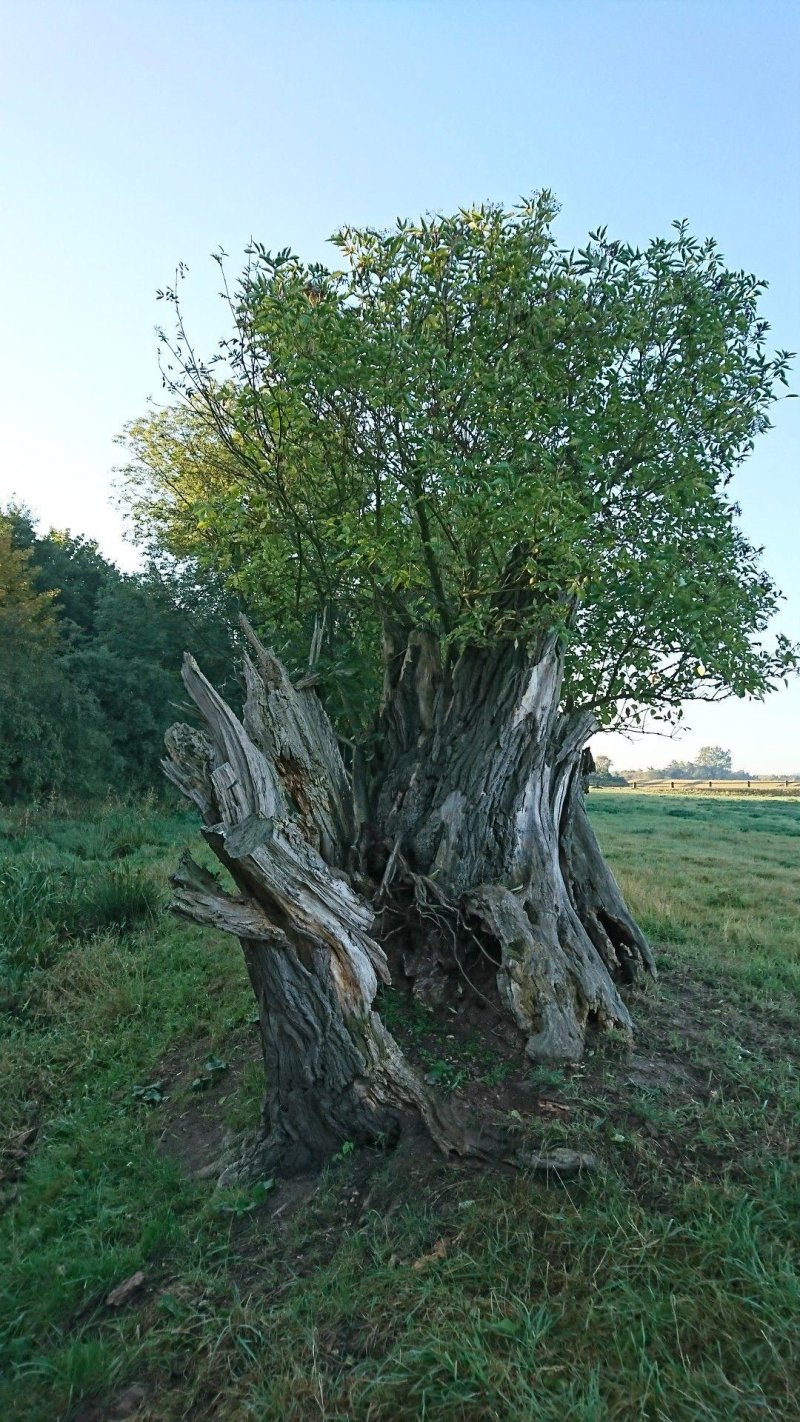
{"x": 334, "y": 1072}
{"x": 480, "y": 789}
{"x": 291, "y": 728}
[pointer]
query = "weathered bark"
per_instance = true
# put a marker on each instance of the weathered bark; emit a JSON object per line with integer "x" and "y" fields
{"x": 271, "y": 792}
{"x": 479, "y": 792}
{"x": 597, "y": 896}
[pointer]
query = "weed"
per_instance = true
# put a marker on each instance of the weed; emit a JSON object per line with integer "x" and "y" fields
{"x": 500, "y": 1072}
{"x": 443, "y": 1071}
{"x": 151, "y": 1095}
{"x": 241, "y": 1202}
{"x": 213, "y": 1069}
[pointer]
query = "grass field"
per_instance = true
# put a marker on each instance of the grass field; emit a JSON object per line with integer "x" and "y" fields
{"x": 664, "y": 1286}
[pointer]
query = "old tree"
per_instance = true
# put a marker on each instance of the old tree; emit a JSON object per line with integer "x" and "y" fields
{"x": 486, "y": 480}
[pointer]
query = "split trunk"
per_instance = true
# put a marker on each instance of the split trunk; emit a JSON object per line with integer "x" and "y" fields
{"x": 466, "y": 834}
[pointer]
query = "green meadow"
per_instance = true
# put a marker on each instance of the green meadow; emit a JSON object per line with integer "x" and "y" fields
{"x": 662, "y": 1286}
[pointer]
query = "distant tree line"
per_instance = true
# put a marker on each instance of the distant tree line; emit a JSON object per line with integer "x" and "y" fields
{"x": 712, "y": 763}
{"x": 90, "y": 662}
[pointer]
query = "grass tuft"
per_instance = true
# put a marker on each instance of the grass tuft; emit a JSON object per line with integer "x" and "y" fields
{"x": 44, "y": 907}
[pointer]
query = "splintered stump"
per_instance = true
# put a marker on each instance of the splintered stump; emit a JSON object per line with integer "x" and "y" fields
{"x": 480, "y": 791}
{"x": 278, "y": 811}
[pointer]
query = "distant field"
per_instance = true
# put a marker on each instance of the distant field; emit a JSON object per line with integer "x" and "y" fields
{"x": 720, "y": 875}
{"x": 664, "y": 1288}
{"x": 751, "y": 789}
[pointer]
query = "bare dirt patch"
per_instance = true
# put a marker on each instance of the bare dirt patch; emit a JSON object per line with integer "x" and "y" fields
{"x": 195, "y": 1130}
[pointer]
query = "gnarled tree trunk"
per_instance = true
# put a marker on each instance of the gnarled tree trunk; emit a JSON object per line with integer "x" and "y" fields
{"x": 479, "y": 795}
{"x": 473, "y": 813}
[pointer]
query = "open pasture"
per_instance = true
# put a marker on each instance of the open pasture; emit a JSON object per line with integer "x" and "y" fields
{"x": 664, "y": 1286}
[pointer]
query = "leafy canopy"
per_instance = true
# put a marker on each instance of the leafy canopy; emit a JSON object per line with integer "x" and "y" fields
{"x": 27, "y": 615}
{"x": 469, "y": 428}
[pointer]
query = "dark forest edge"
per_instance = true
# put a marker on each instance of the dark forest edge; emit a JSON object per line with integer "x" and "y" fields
{"x": 90, "y": 663}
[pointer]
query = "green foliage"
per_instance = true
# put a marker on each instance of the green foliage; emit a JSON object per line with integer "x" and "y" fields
{"x": 243, "y": 1202}
{"x": 26, "y": 614}
{"x": 40, "y": 707}
{"x": 52, "y": 739}
{"x": 471, "y": 429}
{"x": 715, "y": 758}
{"x": 603, "y": 774}
{"x": 712, "y": 763}
{"x": 91, "y": 662}
{"x": 213, "y": 1069}
{"x": 70, "y": 570}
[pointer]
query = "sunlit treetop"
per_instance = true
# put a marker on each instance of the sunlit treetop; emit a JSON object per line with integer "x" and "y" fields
{"x": 27, "y": 615}
{"x": 468, "y": 428}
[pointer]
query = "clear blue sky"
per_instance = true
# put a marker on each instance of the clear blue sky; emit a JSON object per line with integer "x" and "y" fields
{"x": 136, "y": 135}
